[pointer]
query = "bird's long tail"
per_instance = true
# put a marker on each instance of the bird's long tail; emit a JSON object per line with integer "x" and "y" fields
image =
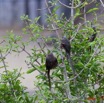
{"x": 72, "y": 67}
{"x": 49, "y": 80}
{"x": 71, "y": 63}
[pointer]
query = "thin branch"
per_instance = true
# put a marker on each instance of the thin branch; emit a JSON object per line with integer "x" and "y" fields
{"x": 30, "y": 31}
{"x": 85, "y": 17}
{"x": 23, "y": 48}
{"x": 8, "y": 52}
{"x": 37, "y": 69}
{"x": 72, "y": 67}
{"x": 102, "y": 3}
{"x": 52, "y": 29}
{"x": 46, "y": 8}
{"x": 80, "y": 4}
{"x": 70, "y": 7}
{"x": 72, "y": 13}
{"x": 2, "y": 41}
{"x": 75, "y": 33}
{"x": 9, "y": 81}
{"x": 41, "y": 48}
{"x": 41, "y": 93}
{"x": 68, "y": 91}
{"x": 32, "y": 63}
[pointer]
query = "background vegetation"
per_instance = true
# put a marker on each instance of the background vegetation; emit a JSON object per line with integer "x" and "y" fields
{"x": 87, "y": 57}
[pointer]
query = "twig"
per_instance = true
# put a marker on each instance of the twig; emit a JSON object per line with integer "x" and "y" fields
{"x": 71, "y": 64}
{"x": 80, "y": 4}
{"x": 75, "y": 33}
{"x": 85, "y": 18}
{"x": 41, "y": 93}
{"x": 9, "y": 81}
{"x": 32, "y": 63}
{"x": 52, "y": 29}
{"x": 8, "y": 52}
{"x": 23, "y": 49}
{"x": 102, "y": 3}
{"x": 46, "y": 8}
{"x": 72, "y": 13}
{"x": 68, "y": 91}
{"x": 41, "y": 48}
{"x": 2, "y": 41}
{"x": 27, "y": 23}
{"x": 70, "y": 7}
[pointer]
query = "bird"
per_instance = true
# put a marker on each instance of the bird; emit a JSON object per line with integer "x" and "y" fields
{"x": 93, "y": 36}
{"x": 51, "y": 63}
{"x": 65, "y": 44}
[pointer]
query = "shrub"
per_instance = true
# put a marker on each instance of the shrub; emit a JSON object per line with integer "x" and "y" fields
{"x": 86, "y": 57}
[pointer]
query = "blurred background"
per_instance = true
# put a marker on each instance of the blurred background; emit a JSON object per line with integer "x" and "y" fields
{"x": 12, "y": 10}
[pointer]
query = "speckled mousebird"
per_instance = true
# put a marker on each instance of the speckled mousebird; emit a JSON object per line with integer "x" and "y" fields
{"x": 51, "y": 62}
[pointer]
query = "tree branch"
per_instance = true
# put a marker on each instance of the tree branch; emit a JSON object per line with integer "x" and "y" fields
{"x": 68, "y": 91}
{"x": 102, "y": 3}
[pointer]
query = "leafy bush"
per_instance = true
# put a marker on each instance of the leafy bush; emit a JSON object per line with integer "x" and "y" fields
{"x": 86, "y": 57}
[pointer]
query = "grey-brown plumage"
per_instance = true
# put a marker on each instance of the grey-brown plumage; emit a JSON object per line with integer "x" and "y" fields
{"x": 93, "y": 36}
{"x": 66, "y": 45}
{"x": 51, "y": 62}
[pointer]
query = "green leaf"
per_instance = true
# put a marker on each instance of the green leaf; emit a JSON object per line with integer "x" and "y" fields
{"x": 92, "y": 10}
{"x": 1, "y": 67}
{"x": 31, "y": 70}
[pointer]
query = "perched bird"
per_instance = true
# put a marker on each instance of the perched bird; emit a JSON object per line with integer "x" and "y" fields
{"x": 65, "y": 44}
{"x": 51, "y": 62}
{"x": 93, "y": 36}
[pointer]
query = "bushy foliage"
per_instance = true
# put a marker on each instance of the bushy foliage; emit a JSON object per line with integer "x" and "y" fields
{"x": 87, "y": 58}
